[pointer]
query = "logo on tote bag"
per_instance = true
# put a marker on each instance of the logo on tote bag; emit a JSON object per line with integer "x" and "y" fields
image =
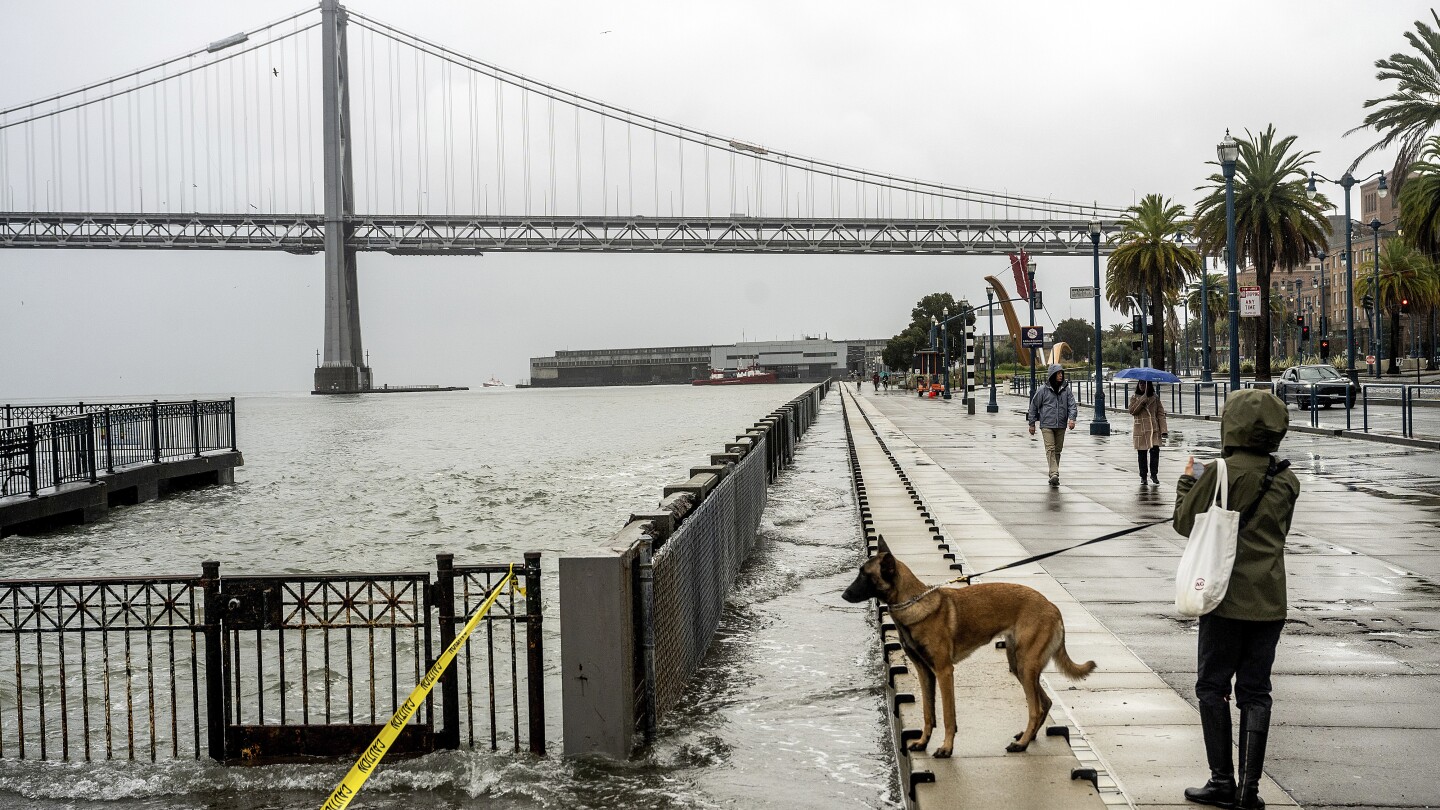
{"x": 1200, "y": 584}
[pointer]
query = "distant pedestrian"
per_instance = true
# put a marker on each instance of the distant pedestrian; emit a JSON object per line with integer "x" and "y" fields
{"x": 1150, "y": 429}
{"x": 1053, "y": 408}
{"x": 859, "y": 383}
{"x": 885, "y": 380}
{"x": 1238, "y": 638}
{"x": 875, "y": 380}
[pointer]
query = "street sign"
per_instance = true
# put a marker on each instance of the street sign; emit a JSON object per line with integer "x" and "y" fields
{"x": 1032, "y": 337}
{"x": 1370, "y": 358}
{"x": 1082, "y": 292}
{"x": 1249, "y": 302}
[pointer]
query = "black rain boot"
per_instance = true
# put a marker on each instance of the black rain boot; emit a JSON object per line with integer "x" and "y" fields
{"x": 1144, "y": 459}
{"x": 1155, "y": 466}
{"x": 1254, "y": 730}
{"x": 1220, "y": 790}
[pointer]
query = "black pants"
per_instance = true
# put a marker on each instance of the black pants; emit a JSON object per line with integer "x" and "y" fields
{"x": 1234, "y": 649}
{"x": 1154, "y": 459}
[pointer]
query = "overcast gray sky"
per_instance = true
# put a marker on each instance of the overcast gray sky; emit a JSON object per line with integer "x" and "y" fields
{"x": 1082, "y": 101}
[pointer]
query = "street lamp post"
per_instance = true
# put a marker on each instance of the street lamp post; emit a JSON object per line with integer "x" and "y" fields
{"x": 1375, "y": 299}
{"x": 945, "y": 341}
{"x": 993, "y": 407}
{"x": 1228, "y": 152}
{"x": 1347, "y": 181}
{"x": 1204, "y": 322}
{"x": 1185, "y": 360}
{"x": 1324, "y": 322}
{"x": 1099, "y": 426}
{"x": 1030, "y": 290}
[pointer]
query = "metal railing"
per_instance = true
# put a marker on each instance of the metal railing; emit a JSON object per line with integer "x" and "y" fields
{"x": 1384, "y": 408}
{"x": 45, "y": 446}
{"x": 260, "y": 668}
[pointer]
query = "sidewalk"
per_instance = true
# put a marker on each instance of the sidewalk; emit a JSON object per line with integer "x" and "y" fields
{"x": 1357, "y": 680}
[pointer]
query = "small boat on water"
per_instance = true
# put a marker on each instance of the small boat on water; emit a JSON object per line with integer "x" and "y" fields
{"x": 493, "y": 383}
{"x": 745, "y": 376}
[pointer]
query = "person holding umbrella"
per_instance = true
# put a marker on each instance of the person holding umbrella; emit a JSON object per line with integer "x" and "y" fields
{"x": 1149, "y": 412}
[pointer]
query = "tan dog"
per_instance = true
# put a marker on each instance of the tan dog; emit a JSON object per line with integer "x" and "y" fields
{"x": 940, "y": 627}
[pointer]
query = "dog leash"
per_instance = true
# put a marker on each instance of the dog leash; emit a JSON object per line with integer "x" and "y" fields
{"x": 966, "y": 578}
{"x": 1038, "y": 557}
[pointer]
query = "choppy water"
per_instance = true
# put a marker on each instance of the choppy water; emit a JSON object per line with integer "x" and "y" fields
{"x": 786, "y": 712}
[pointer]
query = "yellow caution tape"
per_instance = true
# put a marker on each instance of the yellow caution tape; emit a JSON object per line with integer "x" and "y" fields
{"x": 370, "y": 760}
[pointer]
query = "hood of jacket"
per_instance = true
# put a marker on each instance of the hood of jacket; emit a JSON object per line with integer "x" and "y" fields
{"x": 1253, "y": 420}
{"x": 1055, "y": 368}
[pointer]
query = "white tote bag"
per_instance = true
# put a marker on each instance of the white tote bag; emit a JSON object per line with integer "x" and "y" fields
{"x": 1204, "y": 572}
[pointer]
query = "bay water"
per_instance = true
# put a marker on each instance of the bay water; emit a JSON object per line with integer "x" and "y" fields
{"x": 786, "y": 712}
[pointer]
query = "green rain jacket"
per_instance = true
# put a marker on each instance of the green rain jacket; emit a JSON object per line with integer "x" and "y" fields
{"x": 1251, "y": 428}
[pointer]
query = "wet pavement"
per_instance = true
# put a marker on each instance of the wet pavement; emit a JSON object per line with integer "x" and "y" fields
{"x": 1357, "y": 677}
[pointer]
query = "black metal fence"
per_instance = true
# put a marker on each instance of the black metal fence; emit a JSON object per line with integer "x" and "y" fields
{"x": 260, "y": 668}
{"x": 45, "y": 446}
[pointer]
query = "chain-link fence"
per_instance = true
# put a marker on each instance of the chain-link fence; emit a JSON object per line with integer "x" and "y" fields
{"x": 640, "y": 612}
{"x": 694, "y": 569}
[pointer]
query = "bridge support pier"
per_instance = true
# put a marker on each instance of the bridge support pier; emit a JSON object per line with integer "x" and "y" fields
{"x": 344, "y": 369}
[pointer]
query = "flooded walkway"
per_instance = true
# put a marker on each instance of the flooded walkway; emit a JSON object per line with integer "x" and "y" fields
{"x": 1357, "y": 677}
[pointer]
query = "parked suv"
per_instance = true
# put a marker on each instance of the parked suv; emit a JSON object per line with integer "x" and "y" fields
{"x": 1329, "y": 385}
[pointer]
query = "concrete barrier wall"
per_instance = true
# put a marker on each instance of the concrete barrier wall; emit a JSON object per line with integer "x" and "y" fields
{"x": 685, "y": 554}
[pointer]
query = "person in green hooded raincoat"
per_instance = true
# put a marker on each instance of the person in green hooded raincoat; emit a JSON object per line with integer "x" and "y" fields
{"x": 1238, "y": 638}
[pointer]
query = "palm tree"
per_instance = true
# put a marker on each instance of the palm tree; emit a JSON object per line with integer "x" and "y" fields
{"x": 1420, "y": 214}
{"x": 1407, "y": 115}
{"x": 1420, "y": 201}
{"x": 1276, "y": 223}
{"x": 1148, "y": 262}
{"x": 1405, "y": 274}
{"x": 1214, "y": 304}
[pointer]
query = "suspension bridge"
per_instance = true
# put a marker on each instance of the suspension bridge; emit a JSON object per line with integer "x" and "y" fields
{"x": 277, "y": 139}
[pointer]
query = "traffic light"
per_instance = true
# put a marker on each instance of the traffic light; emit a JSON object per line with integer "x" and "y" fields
{"x": 1135, "y": 325}
{"x": 1404, "y": 306}
{"x": 1367, "y": 302}
{"x": 1325, "y": 349}
{"x": 1304, "y": 333}
{"x": 1299, "y": 320}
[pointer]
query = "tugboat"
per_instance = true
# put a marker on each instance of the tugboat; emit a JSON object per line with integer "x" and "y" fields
{"x": 745, "y": 376}
{"x": 493, "y": 383}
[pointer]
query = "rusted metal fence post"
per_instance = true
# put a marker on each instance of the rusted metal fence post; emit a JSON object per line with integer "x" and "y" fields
{"x": 90, "y": 447}
{"x": 109, "y": 444}
{"x": 32, "y": 466}
{"x": 214, "y": 662}
{"x": 449, "y": 736}
{"x": 195, "y": 425}
{"x": 155, "y": 428}
{"x": 534, "y": 653}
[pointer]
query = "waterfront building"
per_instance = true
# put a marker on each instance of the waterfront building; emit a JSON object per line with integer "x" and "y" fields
{"x": 807, "y": 359}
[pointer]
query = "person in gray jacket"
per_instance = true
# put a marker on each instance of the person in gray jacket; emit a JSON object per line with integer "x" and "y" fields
{"x": 1053, "y": 408}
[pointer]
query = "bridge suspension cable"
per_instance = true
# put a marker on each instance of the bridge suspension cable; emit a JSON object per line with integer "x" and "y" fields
{"x": 918, "y": 193}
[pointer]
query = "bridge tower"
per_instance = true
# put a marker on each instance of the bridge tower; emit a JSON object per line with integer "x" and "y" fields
{"x": 344, "y": 368}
